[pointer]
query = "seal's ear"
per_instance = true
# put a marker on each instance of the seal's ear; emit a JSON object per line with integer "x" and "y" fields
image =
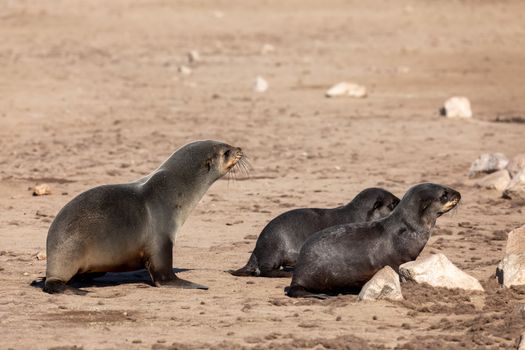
{"x": 209, "y": 164}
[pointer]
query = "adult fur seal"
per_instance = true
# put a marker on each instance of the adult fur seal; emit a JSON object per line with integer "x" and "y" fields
{"x": 131, "y": 226}
{"x": 343, "y": 258}
{"x": 280, "y": 241}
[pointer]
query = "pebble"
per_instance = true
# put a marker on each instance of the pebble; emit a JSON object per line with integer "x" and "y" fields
{"x": 41, "y": 190}
{"x": 347, "y": 89}
{"x": 184, "y": 70}
{"x": 457, "y": 107}
{"x": 194, "y": 56}
{"x": 261, "y": 85}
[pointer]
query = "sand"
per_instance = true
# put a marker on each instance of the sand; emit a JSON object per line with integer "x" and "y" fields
{"x": 91, "y": 94}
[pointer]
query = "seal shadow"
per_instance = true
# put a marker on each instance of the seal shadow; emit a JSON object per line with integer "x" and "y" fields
{"x": 109, "y": 279}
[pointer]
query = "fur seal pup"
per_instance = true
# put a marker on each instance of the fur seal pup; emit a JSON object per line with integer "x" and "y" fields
{"x": 280, "y": 241}
{"x": 343, "y": 258}
{"x": 131, "y": 226}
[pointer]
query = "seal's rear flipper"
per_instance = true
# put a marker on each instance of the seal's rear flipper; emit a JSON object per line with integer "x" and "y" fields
{"x": 180, "y": 283}
{"x": 300, "y": 292}
{"x": 54, "y": 286}
{"x": 250, "y": 269}
{"x": 241, "y": 272}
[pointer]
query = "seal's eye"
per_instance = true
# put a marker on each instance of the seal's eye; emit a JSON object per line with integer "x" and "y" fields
{"x": 227, "y": 154}
{"x": 378, "y": 204}
{"x": 444, "y": 197}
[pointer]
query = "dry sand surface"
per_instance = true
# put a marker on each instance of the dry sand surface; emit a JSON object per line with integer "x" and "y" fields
{"x": 90, "y": 94}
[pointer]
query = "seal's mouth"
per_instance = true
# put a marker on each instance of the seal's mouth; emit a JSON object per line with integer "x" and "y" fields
{"x": 237, "y": 164}
{"x": 449, "y": 206}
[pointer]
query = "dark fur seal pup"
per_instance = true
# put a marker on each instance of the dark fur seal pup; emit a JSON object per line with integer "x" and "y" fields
{"x": 132, "y": 226}
{"x": 343, "y": 258}
{"x": 280, "y": 241}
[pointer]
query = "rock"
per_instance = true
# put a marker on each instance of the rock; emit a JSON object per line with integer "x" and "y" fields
{"x": 495, "y": 181}
{"x": 511, "y": 270}
{"x": 41, "y": 256}
{"x": 516, "y": 165}
{"x": 516, "y": 188}
{"x": 41, "y": 190}
{"x": 267, "y": 48}
{"x": 457, "y": 107}
{"x": 438, "y": 271}
{"x": 194, "y": 56}
{"x": 516, "y": 241}
{"x": 260, "y": 85}
{"x": 184, "y": 70}
{"x": 488, "y": 163}
{"x": 346, "y": 89}
{"x": 384, "y": 285}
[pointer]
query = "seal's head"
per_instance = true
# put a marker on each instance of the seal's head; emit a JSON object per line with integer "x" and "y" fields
{"x": 428, "y": 201}
{"x": 377, "y": 202}
{"x": 216, "y": 158}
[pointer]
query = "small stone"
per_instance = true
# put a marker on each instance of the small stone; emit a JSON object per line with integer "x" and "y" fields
{"x": 347, "y": 89}
{"x": 438, "y": 271}
{"x": 488, "y": 163}
{"x": 457, "y": 107}
{"x": 41, "y": 256}
{"x": 383, "y": 285}
{"x": 194, "y": 56}
{"x": 495, "y": 181}
{"x": 516, "y": 188}
{"x": 511, "y": 270}
{"x": 260, "y": 85}
{"x": 41, "y": 190}
{"x": 516, "y": 165}
{"x": 267, "y": 48}
{"x": 184, "y": 70}
{"x": 26, "y": 273}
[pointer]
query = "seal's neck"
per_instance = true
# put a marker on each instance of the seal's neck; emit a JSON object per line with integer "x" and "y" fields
{"x": 410, "y": 232}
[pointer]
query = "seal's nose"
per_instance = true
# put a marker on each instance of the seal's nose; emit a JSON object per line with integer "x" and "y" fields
{"x": 238, "y": 152}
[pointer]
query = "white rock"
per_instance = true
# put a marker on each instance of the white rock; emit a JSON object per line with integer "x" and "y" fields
{"x": 438, "y": 271}
{"x": 488, "y": 163}
{"x": 495, "y": 181}
{"x": 516, "y": 165}
{"x": 516, "y": 188}
{"x": 260, "y": 85}
{"x": 457, "y": 107}
{"x": 184, "y": 70}
{"x": 516, "y": 241}
{"x": 41, "y": 190}
{"x": 194, "y": 56}
{"x": 384, "y": 285}
{"x": 267, "y": 48}
{"x": 346, "y": 89}
{"x": 511, "y": 270}
{"x": 41, "y": 256}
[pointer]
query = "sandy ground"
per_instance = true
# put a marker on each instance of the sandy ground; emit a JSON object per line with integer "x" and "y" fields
{"x": 90, "y": 94}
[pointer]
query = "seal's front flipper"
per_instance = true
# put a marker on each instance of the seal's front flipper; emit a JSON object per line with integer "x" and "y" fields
{"x": 300, "y": 292}
{"x": 55, "y": 286}
{"x": 180, "y": 283}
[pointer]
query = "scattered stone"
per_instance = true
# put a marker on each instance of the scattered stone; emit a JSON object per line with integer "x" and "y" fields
{"x": 194, "y": 56}
{"x": 511, "y": 270}
{"x": 516, "y": 165}
{"x": 384, "y": 285}
{"x": 184, "y": 70}
{"x": 488, "y": 163}
{"x": 267, "y": 48}
{"x": 41, "y": 190}
{"x": 495, "y": 181}
{"x": 41, "y": 256}
{"x": 457, "y": 107}
{"x": 438, "y": 271}
{"x": 260, "y": 85}
{"x": 516, "y": 188}
{"x": 347, "y": 89}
